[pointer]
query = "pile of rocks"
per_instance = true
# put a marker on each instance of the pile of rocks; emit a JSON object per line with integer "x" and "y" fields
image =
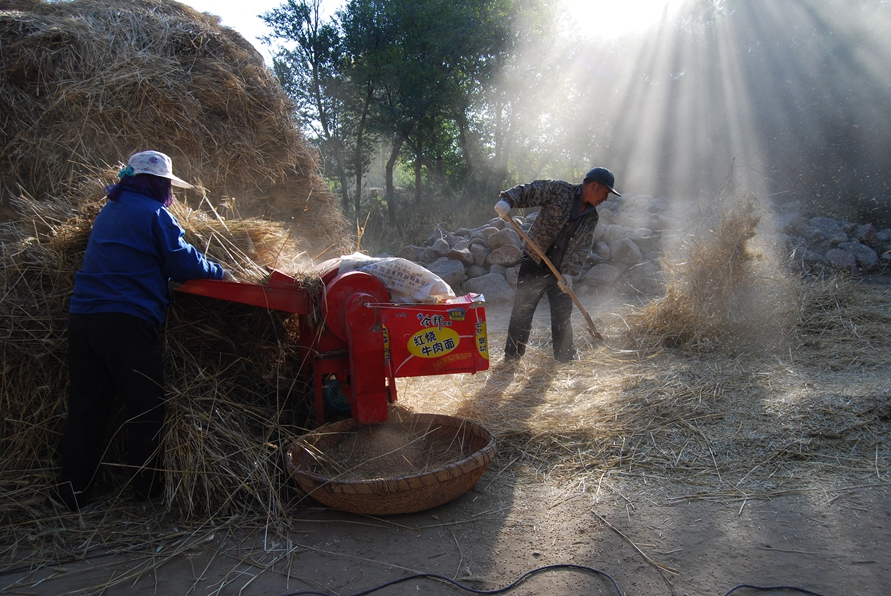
{"x": 628, "y": 246}
{"x": 818, "y": 244}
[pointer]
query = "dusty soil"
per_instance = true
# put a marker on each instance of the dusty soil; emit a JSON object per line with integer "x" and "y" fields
{"x": 656, "y": 533}
{"x": 501, "y": 529}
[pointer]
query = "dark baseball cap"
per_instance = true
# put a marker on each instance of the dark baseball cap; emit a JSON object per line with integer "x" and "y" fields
{"x": 603, "y": 176}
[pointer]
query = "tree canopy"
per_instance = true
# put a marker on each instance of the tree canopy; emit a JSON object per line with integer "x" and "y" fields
{"x": 412, "y": 74}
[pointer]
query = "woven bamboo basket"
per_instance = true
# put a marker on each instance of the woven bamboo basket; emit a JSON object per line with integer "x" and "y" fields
{"x": 390, "y": 496}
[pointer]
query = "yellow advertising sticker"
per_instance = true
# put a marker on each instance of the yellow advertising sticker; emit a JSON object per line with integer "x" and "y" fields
{"x": 433, "y": 343}
{"x": 482, "y": 340}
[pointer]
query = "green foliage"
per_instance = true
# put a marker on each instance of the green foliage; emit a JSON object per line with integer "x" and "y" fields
{"x": 413, "y": 75}
{"x": 310, "y": 70}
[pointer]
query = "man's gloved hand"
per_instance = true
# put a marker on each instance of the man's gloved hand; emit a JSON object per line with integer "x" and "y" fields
{"x": 565, "y": 284}
{"x": 228, "y": 275}
{"x": 502, "y": 208}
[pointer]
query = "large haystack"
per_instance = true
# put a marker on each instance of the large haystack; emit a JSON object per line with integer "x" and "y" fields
{"x": 84, "y": 84}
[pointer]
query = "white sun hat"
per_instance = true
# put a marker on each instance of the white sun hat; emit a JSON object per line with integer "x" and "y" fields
{"x": 156, "y": 163}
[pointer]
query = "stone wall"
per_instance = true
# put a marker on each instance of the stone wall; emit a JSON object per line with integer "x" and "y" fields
{"x": 629, "y": 245}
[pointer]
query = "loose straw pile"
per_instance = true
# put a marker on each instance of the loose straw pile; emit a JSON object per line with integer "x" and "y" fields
{"x": 810, "y": 415}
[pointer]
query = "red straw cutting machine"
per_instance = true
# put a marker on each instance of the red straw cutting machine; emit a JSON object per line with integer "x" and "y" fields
{"x": 363, "y": 339}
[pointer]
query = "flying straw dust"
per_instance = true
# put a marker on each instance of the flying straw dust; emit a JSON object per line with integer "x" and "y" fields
{"x": 723, "y": 285}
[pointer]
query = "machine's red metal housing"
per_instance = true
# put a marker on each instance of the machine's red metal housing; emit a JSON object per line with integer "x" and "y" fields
{"x": 362, "y": 338}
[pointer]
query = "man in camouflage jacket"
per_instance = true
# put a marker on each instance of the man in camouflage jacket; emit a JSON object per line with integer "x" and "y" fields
{"x": 564, "y": 230}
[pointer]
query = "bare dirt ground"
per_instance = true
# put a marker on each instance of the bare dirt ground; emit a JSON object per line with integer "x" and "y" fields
{"x": 818, "y": 520}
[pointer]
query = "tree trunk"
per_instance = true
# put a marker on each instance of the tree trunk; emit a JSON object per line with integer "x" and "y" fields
{"x": 344, "y": 187}
{"x": 418, "y": 170}
{"x": 463, "y": 126}
{"x": 391, "y": 165}
{"x": 359, "y": 138}
{"x": 501, "y": 150}
{"x": 335, "y": 145}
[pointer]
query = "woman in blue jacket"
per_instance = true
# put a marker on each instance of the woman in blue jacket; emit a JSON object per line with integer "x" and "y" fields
{"x": 115, "y": 346}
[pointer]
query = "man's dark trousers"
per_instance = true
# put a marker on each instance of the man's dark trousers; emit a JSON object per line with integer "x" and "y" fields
{"x": 533, "y": 282}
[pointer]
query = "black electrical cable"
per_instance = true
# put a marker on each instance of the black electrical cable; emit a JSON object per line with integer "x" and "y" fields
{"x": 771, "y": 588}
{"x": 510, "y": 586}
{"x": 442, "y": 578}
{"x": 526, "y": 576}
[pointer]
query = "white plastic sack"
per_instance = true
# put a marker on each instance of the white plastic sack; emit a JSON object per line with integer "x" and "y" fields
{"x": 406, "y": 281}
{"x": 353, "y": 262}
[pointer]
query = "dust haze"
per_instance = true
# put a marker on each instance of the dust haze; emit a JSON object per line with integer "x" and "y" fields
{"x": 788, "y": 100}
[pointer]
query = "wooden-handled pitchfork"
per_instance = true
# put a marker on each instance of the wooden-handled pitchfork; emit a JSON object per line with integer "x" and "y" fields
{"x": 591, "y": 328}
